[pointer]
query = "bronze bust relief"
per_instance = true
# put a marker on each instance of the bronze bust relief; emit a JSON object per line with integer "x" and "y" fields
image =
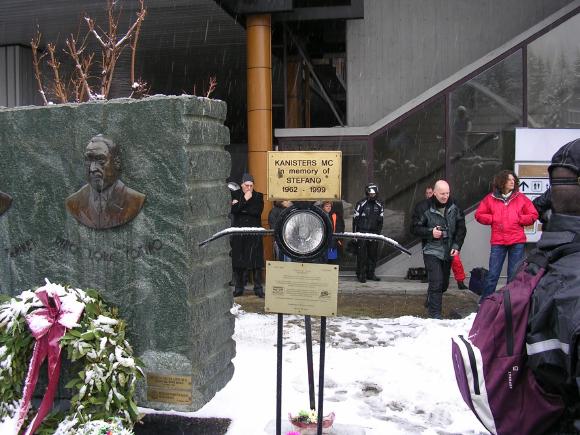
{"x": 105, "y": 202}
{"x": 5, "y": 202}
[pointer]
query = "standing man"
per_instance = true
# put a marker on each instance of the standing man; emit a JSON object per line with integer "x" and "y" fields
{"x": 456, "y": 264}
{"x": 553, "y": 344}
{"x": 247, "y": 251}
{"x": 441, "y": 225}
{"x": 368, "y": 218}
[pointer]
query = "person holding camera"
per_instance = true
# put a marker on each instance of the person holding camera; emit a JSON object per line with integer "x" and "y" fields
{"x": 507, "y": 211}
{"x": 440, "y": 224}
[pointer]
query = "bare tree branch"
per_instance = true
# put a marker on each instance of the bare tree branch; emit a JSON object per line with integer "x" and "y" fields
{"x": 34, "y": 44}
{"x": 72, "y": 50}
{"x": 135, "y": 38}
{"x": 59, "y": 88}
{"x": 212, "y": 86}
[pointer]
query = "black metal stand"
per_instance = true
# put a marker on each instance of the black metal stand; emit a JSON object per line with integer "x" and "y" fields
{"x": 308, "y": 328}
{"x": 309, "y": 363}
{"x": 321, "y": 374}
{"x": 279, "y": 376}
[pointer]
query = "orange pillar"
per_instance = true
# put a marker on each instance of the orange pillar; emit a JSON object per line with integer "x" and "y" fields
{"x": 259, "y": 88}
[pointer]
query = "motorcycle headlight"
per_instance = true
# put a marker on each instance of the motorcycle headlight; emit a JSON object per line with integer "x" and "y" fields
{"x": 303, "y": 234}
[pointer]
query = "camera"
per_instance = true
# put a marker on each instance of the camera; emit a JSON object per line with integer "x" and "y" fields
{"x": 444, "y": 230}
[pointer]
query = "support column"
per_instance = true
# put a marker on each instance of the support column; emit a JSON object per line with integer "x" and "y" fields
{"x": 259, "y": 85}
{"x": 294, "y": 86}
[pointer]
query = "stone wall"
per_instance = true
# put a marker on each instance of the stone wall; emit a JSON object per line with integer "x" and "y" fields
{"x": 173, "y": 295}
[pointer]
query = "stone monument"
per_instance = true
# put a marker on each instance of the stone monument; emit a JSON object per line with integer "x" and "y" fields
{"x": 130, "y": 233}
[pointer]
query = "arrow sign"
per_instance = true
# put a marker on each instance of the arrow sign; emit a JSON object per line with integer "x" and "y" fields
{"x": 523, "y": 186}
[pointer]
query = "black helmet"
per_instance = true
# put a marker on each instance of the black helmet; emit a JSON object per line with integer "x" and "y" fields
{"x": 371, "y": 188}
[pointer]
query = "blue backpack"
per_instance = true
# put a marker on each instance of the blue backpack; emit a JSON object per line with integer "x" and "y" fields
{"x": 490, "y": 363}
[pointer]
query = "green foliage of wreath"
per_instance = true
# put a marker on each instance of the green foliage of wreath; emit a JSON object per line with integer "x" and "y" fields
{"x": 105, "y": 385}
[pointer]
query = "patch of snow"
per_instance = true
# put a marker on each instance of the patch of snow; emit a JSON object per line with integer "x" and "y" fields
{"x": 388, "y": 376}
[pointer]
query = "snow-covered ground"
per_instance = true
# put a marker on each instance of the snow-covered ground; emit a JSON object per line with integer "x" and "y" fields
{"x": 388, "y": 376}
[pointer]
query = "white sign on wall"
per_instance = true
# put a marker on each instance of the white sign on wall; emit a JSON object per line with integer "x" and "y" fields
{"x": 534, "y": 150}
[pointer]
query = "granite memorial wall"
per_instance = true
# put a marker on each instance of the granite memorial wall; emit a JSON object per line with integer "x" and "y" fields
{"x": 115, "y": 196}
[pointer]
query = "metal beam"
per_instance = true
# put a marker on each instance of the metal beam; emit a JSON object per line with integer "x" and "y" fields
{"x": 354, "y": 11}
{"x": 310, "y": 67}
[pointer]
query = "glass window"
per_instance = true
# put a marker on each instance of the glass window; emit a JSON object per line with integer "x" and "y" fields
{"x": 483, "y": 114}
{"x": 554, "y": 77}
{"x": 408, "y": 157}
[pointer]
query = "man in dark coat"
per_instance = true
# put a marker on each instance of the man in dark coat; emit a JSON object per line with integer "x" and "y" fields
{"x": 553, "y": 339}
{"x": 247, "y": 251}
{"x": 441, "y": 225}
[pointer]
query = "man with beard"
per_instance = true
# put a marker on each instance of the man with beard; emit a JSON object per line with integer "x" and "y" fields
{"x": 5, "y": 201}
{"x": 440, "y": 223}
{"x": 105, "y": 202}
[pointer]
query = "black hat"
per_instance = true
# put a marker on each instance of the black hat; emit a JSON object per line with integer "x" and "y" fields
{"x": 247, "y": 177}
{"x": 568, "y": 156}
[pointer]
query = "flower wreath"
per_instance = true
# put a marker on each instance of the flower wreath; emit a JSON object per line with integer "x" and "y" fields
{"x": 94, "y": 339}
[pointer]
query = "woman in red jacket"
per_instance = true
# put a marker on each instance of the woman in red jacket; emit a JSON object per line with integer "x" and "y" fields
{"x": 507, "y": 211}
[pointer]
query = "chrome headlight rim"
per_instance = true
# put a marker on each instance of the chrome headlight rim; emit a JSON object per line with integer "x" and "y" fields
{"x": 291, "y": 213}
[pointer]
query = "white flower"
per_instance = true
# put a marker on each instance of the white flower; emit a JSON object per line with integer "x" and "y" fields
{"x": 104, "y": 320}
{"x": 125, "y": 362}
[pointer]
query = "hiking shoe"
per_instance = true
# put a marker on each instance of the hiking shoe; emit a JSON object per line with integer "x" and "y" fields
{"x": 374, "y": 278}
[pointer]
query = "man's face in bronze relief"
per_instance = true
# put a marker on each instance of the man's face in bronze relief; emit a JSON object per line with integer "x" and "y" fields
{"x": 100, "y": 167}
{"x": 115, "y": 204}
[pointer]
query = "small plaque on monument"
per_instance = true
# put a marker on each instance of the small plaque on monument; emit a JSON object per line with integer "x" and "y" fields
{"x": 301, "y": 288}
{"x": 169, "y": 388}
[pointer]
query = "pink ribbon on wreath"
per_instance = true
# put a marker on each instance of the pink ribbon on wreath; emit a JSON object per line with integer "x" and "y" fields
{"x": 47, "y": 325}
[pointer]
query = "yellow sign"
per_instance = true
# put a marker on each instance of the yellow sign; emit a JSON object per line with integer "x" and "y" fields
{"x": 304, "y": 175}
{"x": 301, "y": 288}
{"x": 169, "y": 388}
{"x": 533, "y": 170}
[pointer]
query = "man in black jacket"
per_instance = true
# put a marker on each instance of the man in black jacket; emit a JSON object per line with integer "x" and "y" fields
{"x": 368, "y": 218}
{"x": 553, "y": 339}
{"x": 441, "y": 225}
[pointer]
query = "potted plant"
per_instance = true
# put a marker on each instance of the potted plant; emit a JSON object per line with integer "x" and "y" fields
{"x": 306, "y": 422}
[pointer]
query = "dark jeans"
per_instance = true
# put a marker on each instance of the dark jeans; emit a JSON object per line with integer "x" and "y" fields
{"x": 366, "y": 259}
{"x": 241, "y": 279}
{"x": 515, "y": 254}
{"x": 438, "y": 275}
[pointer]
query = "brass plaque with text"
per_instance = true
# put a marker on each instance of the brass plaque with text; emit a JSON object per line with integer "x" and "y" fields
{"x": 165, "y": 396}
{"x": 304, "y": 175}
{"x": 173, "y": 389}
{"x": 301, "y": 288}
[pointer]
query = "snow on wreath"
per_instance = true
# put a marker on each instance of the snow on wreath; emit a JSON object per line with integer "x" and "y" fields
{"x": 56, "y": 321}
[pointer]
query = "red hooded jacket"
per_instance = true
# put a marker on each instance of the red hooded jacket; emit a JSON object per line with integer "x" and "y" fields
{"x": 506, "y": 217}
